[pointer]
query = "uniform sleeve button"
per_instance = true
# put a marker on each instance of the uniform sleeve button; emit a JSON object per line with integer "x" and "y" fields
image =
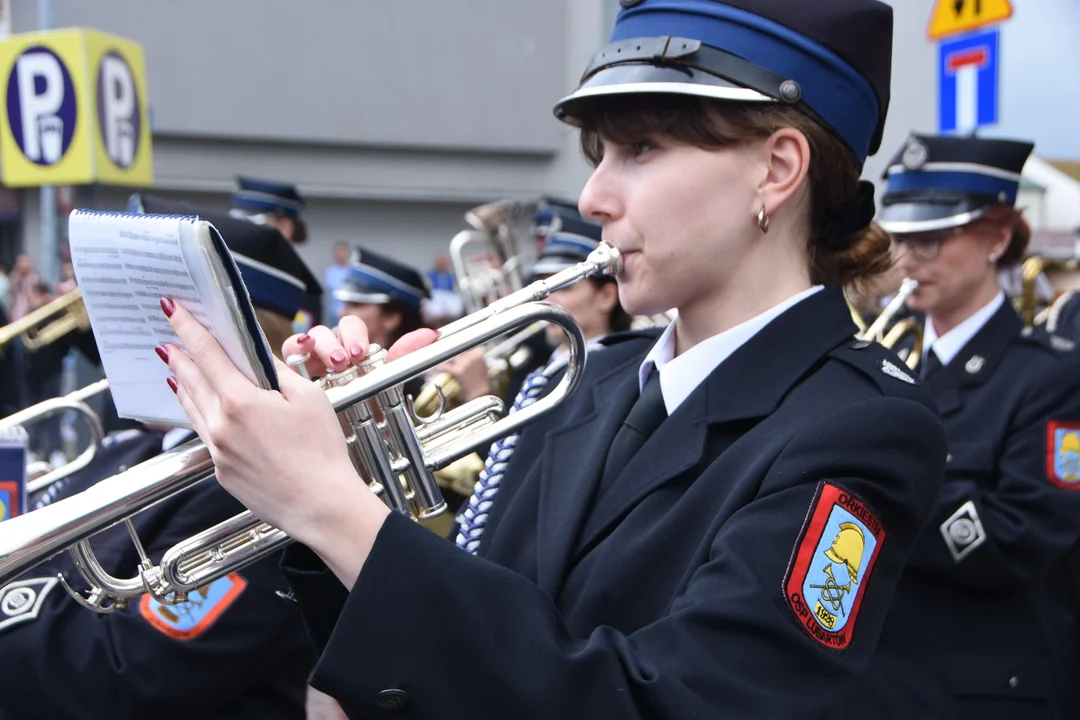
{"x": 392, "y": 699}
{"x": 1014, "y": 682}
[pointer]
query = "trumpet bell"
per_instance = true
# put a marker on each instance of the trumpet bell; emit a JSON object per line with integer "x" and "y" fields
{"x": 63, "y": 315}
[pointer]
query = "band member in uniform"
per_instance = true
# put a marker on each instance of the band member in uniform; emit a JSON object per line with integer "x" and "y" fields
{"x": 603, "y": 314}
{"x": 556, "y": 215}
{"x": 237, "y": 648}
{"x": 269, "y": 202}
{"x": 977, "y": 628}
{"x": 714, "y": 524}
{"x": 280, "y": 205}
{"x": 387, "y": 296}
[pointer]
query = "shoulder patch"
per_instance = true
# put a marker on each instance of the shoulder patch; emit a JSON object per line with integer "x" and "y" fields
{"x": 1063, "y": 454}
{"x": 831, "y": 565}
{"x": 187, "y": 620}
{"x": 21, "y": 600}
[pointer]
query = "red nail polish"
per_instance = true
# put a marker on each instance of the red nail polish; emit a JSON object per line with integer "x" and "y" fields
{"x": 337, "y": 357}
{"x": 303, "y": 339}
{"x": 438, "y": 334}
{"x": 168, "y": 306}
{"x": 357, "y": 351}
{"x": 173, "y": 384}
{"x": 163, "y": 353}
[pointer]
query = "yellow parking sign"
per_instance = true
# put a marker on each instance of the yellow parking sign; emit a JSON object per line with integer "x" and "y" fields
{"x": 76, "y": 110}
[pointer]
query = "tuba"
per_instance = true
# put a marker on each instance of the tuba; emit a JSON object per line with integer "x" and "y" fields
{"x": 396, "y": 457}
{"x": 1031, "y": 309}
{"x": 491, "y": 259}
{"x": 65, "y": 314}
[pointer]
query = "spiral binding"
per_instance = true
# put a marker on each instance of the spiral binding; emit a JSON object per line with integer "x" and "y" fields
{"x": 113, "y": 214}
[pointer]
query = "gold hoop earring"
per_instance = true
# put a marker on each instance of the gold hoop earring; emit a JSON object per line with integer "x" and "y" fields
{"x": 763, "y": 221}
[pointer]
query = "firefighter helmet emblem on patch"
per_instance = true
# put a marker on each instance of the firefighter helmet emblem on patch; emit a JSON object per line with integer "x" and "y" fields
{"x": 831, "y": 565}
{"x": 1063, "y": 454}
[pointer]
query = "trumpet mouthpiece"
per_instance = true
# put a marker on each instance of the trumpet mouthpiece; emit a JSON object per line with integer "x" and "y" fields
{"x": 607, "y": 259}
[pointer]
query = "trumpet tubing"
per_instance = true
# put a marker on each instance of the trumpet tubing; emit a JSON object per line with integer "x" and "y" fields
{"x": 395, "y": 457}
{"x": 39, "y": 479}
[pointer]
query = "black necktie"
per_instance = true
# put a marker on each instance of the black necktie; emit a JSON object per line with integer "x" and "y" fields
{"x": 932, "y": 364}
{"x": 644, "y": 417}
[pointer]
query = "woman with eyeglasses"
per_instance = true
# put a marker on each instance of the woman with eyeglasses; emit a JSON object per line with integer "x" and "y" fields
{"x": 981, "y": 625}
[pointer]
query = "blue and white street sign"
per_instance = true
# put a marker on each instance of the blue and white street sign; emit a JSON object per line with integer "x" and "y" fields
{"x": 968, "y": 82}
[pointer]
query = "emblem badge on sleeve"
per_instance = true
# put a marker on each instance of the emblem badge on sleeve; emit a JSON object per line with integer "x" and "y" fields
{"x": 832, "y": 564}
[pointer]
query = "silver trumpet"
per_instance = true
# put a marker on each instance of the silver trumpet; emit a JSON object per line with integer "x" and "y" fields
{"x": 41, "y": 475}
{"x": 393, "y": 451}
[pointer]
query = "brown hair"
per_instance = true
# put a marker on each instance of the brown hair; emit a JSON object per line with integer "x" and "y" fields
{"x": 1008, "y": 216}
{"x": 277, "y": 328}
{"x": 299, "y": 231}
{"x": 712, "y": 124}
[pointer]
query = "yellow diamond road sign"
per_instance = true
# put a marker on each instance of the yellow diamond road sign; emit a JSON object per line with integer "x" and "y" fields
{"x": 952, "y": 17}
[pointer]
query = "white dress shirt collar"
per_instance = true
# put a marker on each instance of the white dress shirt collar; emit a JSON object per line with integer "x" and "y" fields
{"x": 949, "y": 345}
{"x": 680, "y": 376}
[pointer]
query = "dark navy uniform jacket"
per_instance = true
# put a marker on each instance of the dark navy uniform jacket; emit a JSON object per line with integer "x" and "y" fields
{"x": 703, "y": 583}
{"x": 238, "y": 651}
{"x": 983, "y": 617}
{"x": 1068, "y": 318}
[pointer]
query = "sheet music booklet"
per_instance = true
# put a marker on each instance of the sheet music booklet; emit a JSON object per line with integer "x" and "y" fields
{"x": 124, "y": 264}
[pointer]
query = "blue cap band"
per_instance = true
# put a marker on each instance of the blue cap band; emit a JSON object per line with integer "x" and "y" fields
{"x": 269, "y": 287}
{"x": 841, "y": 96}
{"x": 384, "y": 282}
{"x": 965, "y": 182}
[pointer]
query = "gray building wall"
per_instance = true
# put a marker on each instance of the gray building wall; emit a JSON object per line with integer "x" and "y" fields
{"x": 392, "y": 118}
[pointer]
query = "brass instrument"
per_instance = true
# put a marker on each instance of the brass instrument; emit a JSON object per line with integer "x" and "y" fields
{"x": 68, "y": 313}
{"x": 502, "y": 358}
{"x": 502, "y": 232}
{"x": 1028, "y": 304}
{"x": 396, "y": 458}
{"x": 40, "y": 475}
{"x": 876, "y": 332}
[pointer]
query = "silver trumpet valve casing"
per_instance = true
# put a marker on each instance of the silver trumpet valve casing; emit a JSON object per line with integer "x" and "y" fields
{"x": 395, "y": 458}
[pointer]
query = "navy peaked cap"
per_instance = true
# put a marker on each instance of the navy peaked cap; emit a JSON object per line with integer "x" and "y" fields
{"x": 831, "y": 58}
{"x": 940, "y": 182}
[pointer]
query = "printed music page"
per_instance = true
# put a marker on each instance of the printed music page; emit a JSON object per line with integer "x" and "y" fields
{"x": 125, "y": 264}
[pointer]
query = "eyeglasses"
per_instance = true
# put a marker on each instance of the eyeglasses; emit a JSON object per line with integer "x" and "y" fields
{"x": 925, "y": 245}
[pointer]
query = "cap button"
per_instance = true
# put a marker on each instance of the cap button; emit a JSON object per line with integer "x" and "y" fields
{"x": 790, "y": 92}
{"x": 392, "y": 699}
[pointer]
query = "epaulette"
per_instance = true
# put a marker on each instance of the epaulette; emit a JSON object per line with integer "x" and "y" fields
{"x": 1039, "y": 336}
{"x": 626, "y": 336}
{"x": 882, "y": 367}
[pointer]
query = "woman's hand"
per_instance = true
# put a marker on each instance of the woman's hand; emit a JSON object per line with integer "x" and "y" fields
{"x": 330, "y": 352}
{"x": 281, "y": 454}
